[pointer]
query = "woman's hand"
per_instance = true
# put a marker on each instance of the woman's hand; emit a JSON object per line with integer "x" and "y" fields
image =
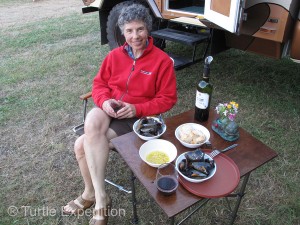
{"x": 127, "y": 111}
{"x": 118, "y": 109}
{"x": 110, "y": 107}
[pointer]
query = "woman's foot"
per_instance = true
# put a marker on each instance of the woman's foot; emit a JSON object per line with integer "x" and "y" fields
{"x": 78, "y": 206}
{"x": 100, "y": 216}
{"x": 87, "y": 2}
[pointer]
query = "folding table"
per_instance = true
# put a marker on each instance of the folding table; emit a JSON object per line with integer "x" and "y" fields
{"x": 249, "y": 155}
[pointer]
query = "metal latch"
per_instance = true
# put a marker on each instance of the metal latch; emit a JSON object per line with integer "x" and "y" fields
{"x": 244, "y": 16}
{"x": 273, "y": 20}
{"x": 243, "y": 4}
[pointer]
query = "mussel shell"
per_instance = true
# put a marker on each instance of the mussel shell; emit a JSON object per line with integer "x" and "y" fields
{"x": 183, "y": 166}
{"x": 149, "y": 127}
{"x": 152, "y": 128}
{"x": 203, "y": 167}
{"x": 151, "y": 121}
{"x": 194, "y": 156}
{"x": 191, "y": 173}
{"x": 147, "y": 134}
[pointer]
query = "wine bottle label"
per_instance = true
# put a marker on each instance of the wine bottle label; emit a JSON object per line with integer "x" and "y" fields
{"x": 202, "y": 100}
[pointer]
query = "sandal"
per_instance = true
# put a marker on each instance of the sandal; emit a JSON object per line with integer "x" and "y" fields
{"x": 103, "y": 212}
{"x": 79, "y": 209}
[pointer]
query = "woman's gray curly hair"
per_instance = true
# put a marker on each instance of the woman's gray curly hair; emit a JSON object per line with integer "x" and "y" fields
{"x": 135, "y": 12}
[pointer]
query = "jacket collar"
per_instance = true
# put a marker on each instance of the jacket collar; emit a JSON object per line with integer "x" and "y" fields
{"x": 128, "y": 50}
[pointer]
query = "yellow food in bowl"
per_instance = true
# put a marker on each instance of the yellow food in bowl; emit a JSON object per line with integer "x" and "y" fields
{"x": 157, "y": 157}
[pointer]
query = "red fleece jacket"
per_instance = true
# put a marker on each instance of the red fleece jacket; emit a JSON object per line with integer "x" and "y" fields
{"x": 149, "y": 83}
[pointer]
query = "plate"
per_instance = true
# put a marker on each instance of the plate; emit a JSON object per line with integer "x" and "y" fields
{"x": 225, "y": 180}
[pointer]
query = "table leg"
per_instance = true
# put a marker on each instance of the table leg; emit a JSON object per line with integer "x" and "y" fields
{"x": 203, "y": 202}
{"x": 135, "y": 219}
{"x": 172, "y": 220}
{"x": 239, "y": 195}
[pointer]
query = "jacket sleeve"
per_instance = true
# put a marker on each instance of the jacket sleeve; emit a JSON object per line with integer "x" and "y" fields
{"x": 166, "y": 94}
{"x": 100, "y": 90}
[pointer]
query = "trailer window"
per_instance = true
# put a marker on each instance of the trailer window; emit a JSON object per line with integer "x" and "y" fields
{"x": 190, "y": 6}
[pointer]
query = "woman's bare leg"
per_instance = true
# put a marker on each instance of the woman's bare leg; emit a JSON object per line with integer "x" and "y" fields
{"x": 96, "y": 148}
{"x": 89, "y": 192}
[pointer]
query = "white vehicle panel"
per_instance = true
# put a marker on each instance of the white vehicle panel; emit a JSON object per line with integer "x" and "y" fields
{"x": 223, "y": 13}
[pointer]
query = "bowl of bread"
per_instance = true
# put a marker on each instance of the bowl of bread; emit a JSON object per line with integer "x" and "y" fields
{"x": 192, "y": 135}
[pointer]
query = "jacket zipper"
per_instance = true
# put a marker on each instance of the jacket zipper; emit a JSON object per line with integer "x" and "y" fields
{"x": 127, "y": 83}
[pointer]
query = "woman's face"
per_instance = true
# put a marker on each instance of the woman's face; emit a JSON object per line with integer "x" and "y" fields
{"x": 136, "y": 35}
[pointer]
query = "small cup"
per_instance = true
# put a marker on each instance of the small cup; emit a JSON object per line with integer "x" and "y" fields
{"x": 167, "y": 179}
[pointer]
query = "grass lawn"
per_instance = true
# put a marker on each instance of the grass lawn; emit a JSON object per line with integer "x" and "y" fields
{"x": 46, "y": 65}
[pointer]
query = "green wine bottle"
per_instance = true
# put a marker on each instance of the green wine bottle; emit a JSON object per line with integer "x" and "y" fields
{"x": 203, "y": 93}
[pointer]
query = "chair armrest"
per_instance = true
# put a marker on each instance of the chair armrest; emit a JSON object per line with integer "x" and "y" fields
{"x": 79, "y": 129}
{"x": 86, "y": 96}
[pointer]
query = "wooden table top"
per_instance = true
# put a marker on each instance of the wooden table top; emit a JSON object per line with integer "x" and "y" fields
{"x": 248, "y": 156}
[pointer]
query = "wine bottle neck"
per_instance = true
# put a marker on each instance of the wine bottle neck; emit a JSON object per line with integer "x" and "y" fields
{"x": 206, "y": 77}
{"x": 206, "y": 71}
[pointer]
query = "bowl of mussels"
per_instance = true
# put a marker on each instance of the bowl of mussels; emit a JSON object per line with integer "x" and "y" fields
{"x": 196, "y": 166}
{"x": 149, "y": 127}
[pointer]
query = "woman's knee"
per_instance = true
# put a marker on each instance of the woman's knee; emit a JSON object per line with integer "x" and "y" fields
{"x": 97, "y": 121}
{"x": 78, "y": 147}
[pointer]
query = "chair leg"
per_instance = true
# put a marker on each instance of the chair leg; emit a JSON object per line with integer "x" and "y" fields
{"x": 79, "y": 129}
{"x": 121, "y": 188}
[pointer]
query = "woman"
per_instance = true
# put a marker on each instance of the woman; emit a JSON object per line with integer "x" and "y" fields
{"x": 139, "y": 79}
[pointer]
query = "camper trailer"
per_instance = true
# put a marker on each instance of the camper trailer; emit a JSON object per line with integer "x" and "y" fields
{"x": 267, "y": 27}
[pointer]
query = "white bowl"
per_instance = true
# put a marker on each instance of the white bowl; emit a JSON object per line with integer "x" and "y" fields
{"x": 212, "y": 173}
{"x": 158, "y": 145}
{"x": 195, "y": 126}
{"x": 164, "y": 126}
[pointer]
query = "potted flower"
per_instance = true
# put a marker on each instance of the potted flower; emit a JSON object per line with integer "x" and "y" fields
{"x": 227, "y": 110}
{"x": 225, "y": 125}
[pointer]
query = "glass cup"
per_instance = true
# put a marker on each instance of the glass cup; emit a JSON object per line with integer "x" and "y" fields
{"x": 167, "y": 179}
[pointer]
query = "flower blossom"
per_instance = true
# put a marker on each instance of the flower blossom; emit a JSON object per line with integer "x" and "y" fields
{"x": 227, "y": 110}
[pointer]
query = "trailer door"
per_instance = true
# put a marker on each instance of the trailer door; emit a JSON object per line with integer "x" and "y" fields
{"x": 224, "y": 13}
